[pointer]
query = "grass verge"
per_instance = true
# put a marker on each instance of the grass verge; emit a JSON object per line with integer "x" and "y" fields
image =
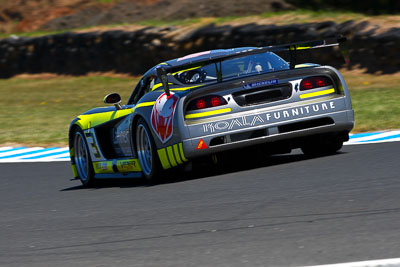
{"x": 37, "y": 111}
{"x": 278, "y": 18}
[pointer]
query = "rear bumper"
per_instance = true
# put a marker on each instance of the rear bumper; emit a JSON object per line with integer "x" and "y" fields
{"x": 263, "y": 126}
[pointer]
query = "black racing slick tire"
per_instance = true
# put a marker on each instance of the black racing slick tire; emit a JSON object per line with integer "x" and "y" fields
{"x": 322, "y": 148}
{"x": 147, "y": 152}
{"x": 82, "y": 159}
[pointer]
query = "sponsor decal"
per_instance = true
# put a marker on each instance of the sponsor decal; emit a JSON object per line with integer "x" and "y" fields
{"x": 103, "y": 167}
{"x": 260, "y": 83}
{"x": 269, "y": 117}
{"x": 127, "y": 165}
{"x": 95, "y": 150}
{"x": 130, "y": 165}
{"x": 162, "y": 116}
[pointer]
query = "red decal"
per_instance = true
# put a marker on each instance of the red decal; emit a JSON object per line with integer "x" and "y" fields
{"x": 162, "y": 116}
{"x": 201, "y": 145}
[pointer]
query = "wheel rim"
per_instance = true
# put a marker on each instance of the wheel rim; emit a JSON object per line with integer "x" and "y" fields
{"x": 144, "y": 149}
{"x": 81, "y": 157}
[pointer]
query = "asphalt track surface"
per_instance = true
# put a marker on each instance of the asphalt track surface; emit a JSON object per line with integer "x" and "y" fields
{"x": 286, "y": 210}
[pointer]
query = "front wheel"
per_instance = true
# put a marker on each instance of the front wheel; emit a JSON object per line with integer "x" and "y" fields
{"x": 146, "y": 151}
{"x": 82, "y": 159}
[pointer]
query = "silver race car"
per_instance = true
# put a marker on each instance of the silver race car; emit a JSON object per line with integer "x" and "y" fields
{"x": 210, "y": 102}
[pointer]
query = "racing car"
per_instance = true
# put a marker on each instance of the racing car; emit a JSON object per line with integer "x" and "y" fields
{"x": 210, "y": 102}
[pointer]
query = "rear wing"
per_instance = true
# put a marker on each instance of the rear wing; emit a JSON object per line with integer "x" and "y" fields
{"x": 163, "y": 70}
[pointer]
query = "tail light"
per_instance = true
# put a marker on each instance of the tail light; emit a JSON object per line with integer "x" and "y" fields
{"x": 315, "y": 82}
{"x": 206, "y": 102}
{"x": 201, "y": 103}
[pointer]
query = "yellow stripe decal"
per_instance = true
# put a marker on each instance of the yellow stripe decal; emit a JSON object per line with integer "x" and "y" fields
{"x": 71, "y": 151}
{"x": 128, "y": 165}
{"x": 75, "y": 171}
{"x": 208, "y": 113}
{"x": 158, "y": 85}
{"x": 184, "y": 88}
{"x": 145, "y": 104}
{"x": 319, "y": 93}
{"x": 181, "y": 150}
{"x": 171, "y": 156}
{"x": 298, "y": 47}
{"x": 163, "y": 158}
{"x": 177, "y": 156}
{"x": 91, "y": 120}
{"x": 186, "y": 70}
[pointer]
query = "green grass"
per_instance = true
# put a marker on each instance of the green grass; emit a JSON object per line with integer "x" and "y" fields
{"x": 107, "y": 1}
{"x": 31, "y": 34}
{"x": 376, "y": 108}
{"x": 39, "y": 111}
{"x": 313, "y": 13}
{"x": 376, "y": 100}
{"x": 158, "y": 23}
{"x": 282, "y": 17}
{"x": 151, "y": 23}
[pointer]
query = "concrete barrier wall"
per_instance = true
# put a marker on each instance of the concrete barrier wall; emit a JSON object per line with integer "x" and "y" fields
{"x": 134, "y": 52}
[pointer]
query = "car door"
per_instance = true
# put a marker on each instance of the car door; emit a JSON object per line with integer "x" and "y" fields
{"x": 122, "y": 136}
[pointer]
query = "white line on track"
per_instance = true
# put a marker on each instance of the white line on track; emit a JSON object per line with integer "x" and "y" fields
{"x": 374, "y": 263}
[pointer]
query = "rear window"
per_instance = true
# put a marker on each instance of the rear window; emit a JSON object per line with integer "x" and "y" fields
{"x": 232, "y": 68}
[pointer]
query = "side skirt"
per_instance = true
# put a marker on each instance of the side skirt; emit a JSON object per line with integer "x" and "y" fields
{"x": 118, "y": 175}
{"x": 117, "y": 168}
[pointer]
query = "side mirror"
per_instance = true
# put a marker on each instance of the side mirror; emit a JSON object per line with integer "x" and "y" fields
{"x": 113, "y": 98}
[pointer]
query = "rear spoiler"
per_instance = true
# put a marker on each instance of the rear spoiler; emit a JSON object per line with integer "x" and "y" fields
{"x": 163, "y": 70}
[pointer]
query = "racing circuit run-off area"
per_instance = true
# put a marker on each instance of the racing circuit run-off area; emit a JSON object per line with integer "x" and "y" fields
{"x": 283, "y": 210}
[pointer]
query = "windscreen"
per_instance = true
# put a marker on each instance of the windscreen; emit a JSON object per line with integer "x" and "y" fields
{"x": 232, "y": 68}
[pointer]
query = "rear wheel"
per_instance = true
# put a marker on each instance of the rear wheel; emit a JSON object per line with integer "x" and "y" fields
{"x": 82, "y": 159}
{"x": 146, "y": 151}
{"x": 324, "y": 149}
{"x": 322, "y": 145}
